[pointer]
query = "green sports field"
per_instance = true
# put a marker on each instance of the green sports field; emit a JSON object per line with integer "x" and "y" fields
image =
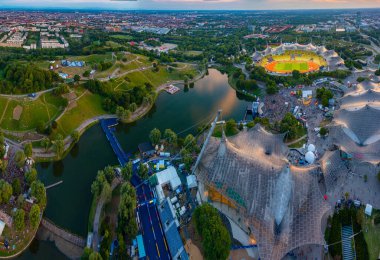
{"x": 290, "y": 66}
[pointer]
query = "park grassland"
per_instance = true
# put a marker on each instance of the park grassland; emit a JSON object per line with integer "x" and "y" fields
{"x": 44, "y": 109}
{"x": 88, "y": 106}
{"x": 372, "y": 235}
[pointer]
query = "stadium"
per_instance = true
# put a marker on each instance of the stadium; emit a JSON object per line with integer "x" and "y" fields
{"x": 286, "y": 58}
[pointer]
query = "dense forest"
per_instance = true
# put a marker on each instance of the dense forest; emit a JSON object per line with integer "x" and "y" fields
{"x": 21, "y": 78}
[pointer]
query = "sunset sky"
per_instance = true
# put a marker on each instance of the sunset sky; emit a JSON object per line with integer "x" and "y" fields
{"x": 194, "y": 4}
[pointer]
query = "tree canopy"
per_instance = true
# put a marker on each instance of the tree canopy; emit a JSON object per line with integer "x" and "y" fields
{"x": 127, "y": 221}
{"x": 20, "y": 78}
{"x": 216, "y": 240}
{"x": 39, "y": 192}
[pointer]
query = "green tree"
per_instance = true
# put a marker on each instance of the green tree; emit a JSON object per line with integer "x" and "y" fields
{"x": 20, "y": 158}
{"x": 323, "y": 131}
{"x": 34, "y": 215}
{"x": 86, "y": 253}
{"x": 16, "y": 186}
{"x": 132, "y": 107}
{"x": 105, "y": 244}
{"x": 95, "y": 256}
{"x": 75, "y": 136}
{"x": 86, "y": 73}
{"x": 127, "y": 205}
{"x": 39, "y": 192}
{"x": 143, "y": 171}
{"x": 28, "y": 149}
{"x": 45, "y": 143}
{"x": 59, "y": 145}
{"x": 19, "y": 219}
{"x": 296, "y": 74}
{"x": 378, "y": 176}
{"x": 189, "y": 143}
{"x": 187, "y": 158}
{"x": 76, "y": 78}
{"x": 98, "y": 183}
{"x": 31, "y": 176}
{"x": 216, "y": 240}
{"x": 106, "y": 193}
{"x": 127, "y": 171}
{"x": 155, "y": 136}
{"x": 231, "y": 127}
{"x": 6, "y": 191}
{"x": 170, "y": 136}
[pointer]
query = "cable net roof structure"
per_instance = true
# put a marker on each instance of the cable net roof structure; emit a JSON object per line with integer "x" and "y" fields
{"x": 333, "y": 168}
{"x": 282, "y": 204}
{"x": 361, "y": 125}
{"x": 359, "y": 100}
{"x": 369, "y": 152}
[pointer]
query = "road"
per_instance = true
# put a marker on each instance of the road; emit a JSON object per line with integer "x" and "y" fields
{"x": 38, "y": 94}
{"x": 153, "y": 234}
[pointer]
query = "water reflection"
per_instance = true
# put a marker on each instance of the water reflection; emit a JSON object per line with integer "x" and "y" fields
{"x": 69, "y": 203}
{"x": 75, "y": 150}
{"x": 58, "y": 168}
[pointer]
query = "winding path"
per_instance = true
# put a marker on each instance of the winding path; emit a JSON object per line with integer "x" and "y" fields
{"x": 99, "y": 207}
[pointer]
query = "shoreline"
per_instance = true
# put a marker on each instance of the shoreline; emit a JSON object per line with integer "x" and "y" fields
{"x": 41, "y": 155}
{"x": 27, "y": 245}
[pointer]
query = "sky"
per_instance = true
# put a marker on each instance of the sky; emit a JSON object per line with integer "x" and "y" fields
{"x": 191, "y": 4}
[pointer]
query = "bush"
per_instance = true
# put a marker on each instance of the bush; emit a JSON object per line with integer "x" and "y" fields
{"x": 324, "y": 131}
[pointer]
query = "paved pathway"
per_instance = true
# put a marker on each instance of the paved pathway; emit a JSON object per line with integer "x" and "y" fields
{"x": 99, "y": 207}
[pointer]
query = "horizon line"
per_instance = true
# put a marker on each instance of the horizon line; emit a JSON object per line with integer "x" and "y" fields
{"x": 179, "y": 10}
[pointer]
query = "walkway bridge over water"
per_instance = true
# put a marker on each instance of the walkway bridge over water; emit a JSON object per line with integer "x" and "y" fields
{"x": 108, "y": 128}
{"x": 63, "y": 234}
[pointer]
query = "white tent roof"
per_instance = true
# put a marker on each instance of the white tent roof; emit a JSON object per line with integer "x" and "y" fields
{"x": 310, "y": 157}
{"x": 2, "y": 226}
{"x": 191, "y": 181}
{"x": 311, "y": 148}
{"x": 368, "y": 210}
{"x": 169, "y": 175}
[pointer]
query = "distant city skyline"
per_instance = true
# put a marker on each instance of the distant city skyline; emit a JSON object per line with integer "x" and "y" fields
{"x": 191, "y": 4}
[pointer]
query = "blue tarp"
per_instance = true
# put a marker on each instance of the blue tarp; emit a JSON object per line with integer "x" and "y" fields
{"x": 140, "y": 245}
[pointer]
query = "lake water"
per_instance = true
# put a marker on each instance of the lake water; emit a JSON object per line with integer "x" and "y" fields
{"x": 69, "y": 203}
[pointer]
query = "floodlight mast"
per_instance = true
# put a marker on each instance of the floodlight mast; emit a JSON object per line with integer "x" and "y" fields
{"x": 213, "y": 124}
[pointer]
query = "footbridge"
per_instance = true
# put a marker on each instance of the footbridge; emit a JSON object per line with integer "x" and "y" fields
{"x": 108, "y": 128}
{"x": 63, "y": 234}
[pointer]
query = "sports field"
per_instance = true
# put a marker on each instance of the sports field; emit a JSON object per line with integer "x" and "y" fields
{"x": 291, "y": 65}
{"x": 285, "y": 63}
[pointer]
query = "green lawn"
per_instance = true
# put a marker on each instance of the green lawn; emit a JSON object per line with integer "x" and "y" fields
{"x": 290, "y": 66}
{"x": 45, "y": 109}
{"x": 122, "y": 37}
{"x": 88, "y": 106}
{"x": 372, "y": 237}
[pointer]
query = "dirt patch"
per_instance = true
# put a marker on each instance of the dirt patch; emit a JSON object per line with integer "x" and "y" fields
{"x": 70, "y": 96}
{"x": 71, "y": 105}
{"x": 196, "y": 240}
{"x": 193, "y": 251}
{"x": 17, "y": 112}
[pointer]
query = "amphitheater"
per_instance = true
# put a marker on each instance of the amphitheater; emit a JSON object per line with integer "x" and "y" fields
{"x": 283, "y": 59}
